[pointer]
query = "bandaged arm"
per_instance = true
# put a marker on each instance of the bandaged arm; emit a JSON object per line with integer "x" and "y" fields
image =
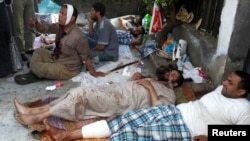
{"x": 98, "y": 129}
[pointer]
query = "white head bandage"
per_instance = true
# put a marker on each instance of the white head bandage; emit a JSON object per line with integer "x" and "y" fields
{"x": 70, "y": 11}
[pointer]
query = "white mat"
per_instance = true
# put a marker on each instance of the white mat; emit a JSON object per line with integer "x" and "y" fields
{"x": 122, "y": 75}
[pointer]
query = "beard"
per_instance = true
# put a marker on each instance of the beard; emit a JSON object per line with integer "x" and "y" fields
{"x": 223, "y": 91}
{"x": 94, "y": 18}
{"x": 132, "y": 32}
{"x": 162, "y": 70}
{"x": 161, "y": 77}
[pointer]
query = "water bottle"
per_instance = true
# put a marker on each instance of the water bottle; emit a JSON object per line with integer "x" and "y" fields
{"x": 146, "y": 22}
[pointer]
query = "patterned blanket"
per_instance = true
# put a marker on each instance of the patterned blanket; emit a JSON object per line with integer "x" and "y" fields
{"x": 150, "y": 124}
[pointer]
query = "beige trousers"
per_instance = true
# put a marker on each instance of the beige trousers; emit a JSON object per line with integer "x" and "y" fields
{"x": 43, "y": 66}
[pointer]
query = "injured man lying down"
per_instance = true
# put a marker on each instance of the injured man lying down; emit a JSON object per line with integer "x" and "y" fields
{"x": 227, "y": 105}
{"x": 108, "y": 100}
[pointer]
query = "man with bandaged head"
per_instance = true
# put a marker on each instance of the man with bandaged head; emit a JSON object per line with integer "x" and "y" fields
{"x": 71, "y": 52}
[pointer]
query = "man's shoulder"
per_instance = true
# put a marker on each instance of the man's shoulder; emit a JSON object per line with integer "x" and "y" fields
{"x": 107, "y": 23}
{"x": 76, "y": 29}
{"x": 76, "y": 32}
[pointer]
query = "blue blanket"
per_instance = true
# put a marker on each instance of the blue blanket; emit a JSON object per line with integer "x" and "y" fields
{"x": 150, "y": 124}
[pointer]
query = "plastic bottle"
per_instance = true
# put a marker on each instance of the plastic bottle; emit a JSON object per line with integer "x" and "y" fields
{"x": 146, "y": 22}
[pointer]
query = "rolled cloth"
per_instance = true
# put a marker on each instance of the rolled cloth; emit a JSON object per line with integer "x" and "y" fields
{"x": 70, "y": 11}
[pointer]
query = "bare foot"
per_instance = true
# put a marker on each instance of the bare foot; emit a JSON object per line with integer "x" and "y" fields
{"x": 20, "y": 108}
{"x": 26, "y": 119}
{"x": 29, "y": 111}
{"x": 58, "y": 134}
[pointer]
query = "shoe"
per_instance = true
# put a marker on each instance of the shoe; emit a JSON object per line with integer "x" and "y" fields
{"x": 24, "y": 57}
{"x": 27, "y": 78}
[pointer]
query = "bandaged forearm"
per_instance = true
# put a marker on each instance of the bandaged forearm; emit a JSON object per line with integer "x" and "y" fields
{"x": 99, "y": 129}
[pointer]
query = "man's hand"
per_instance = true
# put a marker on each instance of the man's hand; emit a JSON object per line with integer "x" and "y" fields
{"x": 200, "y": 138}
{"x": 91, "y": 22}
{"x": 91, "y": 70}
{"x": 123, "y": 24}
{"x": 32, "y": 22}
{"x": 98, "y": 74}
{"x": 136, "y": 76}
{"x": 145, "y": 83}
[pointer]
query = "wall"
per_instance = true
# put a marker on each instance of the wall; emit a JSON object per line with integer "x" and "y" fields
{"x": 230, "y": 52}
{"x": 114, "y": 8}
{"x": 238, "y": 53}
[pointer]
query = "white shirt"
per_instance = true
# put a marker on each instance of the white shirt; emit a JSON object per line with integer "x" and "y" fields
{"x": 214, "y": 108}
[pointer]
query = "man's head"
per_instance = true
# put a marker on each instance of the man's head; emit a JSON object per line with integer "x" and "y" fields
{"x": 138, "y": 30}
{"x": 170, "y": 73}
{"x": 68, "y": 14}
{"x": 137, "y": 20}
{"x": 97, "y": 10}
{"x": 236, "y": 85}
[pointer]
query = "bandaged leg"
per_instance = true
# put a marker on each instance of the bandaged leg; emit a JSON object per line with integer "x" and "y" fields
{"x": 99, "y": 129}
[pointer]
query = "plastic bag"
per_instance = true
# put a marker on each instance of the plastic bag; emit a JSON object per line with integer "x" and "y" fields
{"x": 197, "y": 75}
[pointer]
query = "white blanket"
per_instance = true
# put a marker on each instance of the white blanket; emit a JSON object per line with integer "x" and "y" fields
{"x": 122, "y": 75}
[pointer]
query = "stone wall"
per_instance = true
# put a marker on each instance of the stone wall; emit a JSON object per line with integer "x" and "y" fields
{"x": 201, "y": 49}
{"x": 114, "y": 8}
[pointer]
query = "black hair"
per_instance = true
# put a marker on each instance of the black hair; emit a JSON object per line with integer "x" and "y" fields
{"x": 140, "y": 17}
{"x": 180, "y": 79}
{"x": 99, "y": 7}
{"x": 162, "y": 70}
{"x": 244, "y": 82}
{"x": 75, "y": 12}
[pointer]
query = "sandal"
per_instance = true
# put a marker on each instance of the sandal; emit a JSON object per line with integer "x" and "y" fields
{"x": 23, "y": 79}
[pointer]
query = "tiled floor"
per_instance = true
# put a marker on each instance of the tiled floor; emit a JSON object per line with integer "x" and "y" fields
{"x": 10, "y": 129}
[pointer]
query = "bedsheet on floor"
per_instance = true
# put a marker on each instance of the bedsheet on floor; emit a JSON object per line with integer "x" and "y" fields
{"x": 122, "y": 75}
